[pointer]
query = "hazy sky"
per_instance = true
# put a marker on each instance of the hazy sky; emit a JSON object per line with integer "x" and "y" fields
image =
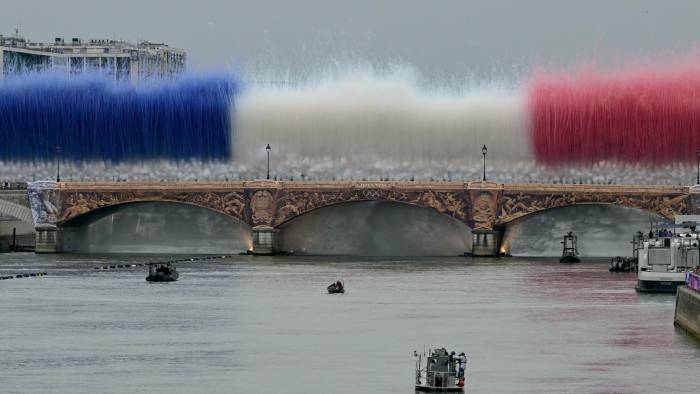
{"x": 439, "y": 38}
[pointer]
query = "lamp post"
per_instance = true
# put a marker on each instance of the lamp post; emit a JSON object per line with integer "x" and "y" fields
{"x": 268, "y": 149}
{"x": 697, "y": 161}
{"x": 483, "y": 152}
{"x": 58, "y": 163}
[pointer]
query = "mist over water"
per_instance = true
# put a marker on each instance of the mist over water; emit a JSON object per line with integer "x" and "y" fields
{"x": 159, "y": 227}
{"x": 375, "y": 229}
{"x": 602, "y": 230}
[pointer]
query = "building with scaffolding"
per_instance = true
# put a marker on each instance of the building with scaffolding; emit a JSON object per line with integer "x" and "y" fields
{"x": 117, "y": 58}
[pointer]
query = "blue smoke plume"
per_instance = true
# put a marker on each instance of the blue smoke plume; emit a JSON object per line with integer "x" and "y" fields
{"x": 94, "y": 117}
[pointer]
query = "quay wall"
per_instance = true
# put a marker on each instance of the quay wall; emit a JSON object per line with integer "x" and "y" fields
{"x": 687, "y": 314}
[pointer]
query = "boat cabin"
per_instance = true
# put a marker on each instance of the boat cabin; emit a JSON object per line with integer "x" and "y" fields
{"x": 569, "y": 253}
{"x": 443, "y": 372}
{"x": 668, "y": 254}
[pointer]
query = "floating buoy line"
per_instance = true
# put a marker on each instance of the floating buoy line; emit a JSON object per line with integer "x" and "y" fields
{"x": 18, "y": 276}
{"x": 188, "y": 260}
{"x": 119, "y": 266}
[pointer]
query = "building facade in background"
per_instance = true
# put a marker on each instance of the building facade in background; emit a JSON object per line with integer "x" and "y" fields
{"x": 117, "y": 58}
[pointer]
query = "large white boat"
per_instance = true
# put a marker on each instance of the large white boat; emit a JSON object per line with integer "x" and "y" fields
{"x": 664, "y": 259}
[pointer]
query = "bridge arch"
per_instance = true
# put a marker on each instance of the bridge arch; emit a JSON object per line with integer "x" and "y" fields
{"x": 161, "y": 226}
{"x": 284, "y": 219}
{"x": 17, "y": 211}
{"x": 603, "y": 230}
{"x": 510, "y": 219}
{"x": 454, "y": 204}
{"x": 516, "y": 206}
{"x": 80, "y": 216}
{"x": 78, "y": 203}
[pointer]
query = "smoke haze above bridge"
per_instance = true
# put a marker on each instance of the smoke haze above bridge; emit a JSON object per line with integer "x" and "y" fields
{"x": 625, "y": 126}
{"x": 401, "y": 90}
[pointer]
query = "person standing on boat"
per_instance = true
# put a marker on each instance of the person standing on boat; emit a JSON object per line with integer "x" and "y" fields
{"x": 462, "y": 360}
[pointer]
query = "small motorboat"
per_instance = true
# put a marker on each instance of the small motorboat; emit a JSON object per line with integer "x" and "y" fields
{"x": 443, "y": 372}
{"x": 336, "y": 288}
{"x": 162, "y": 272}
{"x": 570, "y": 252}
{"x": 623, "y": 264}
{"x": 629, "y": 264}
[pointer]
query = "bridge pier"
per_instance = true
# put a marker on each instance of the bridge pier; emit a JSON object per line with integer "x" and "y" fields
{"x": 485, "y": 243}
{"x": 265, "y": 240}
{"x": 48, "y": 239}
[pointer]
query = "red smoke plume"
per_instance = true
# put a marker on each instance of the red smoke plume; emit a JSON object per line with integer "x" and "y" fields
{"x": 648, "y": 116}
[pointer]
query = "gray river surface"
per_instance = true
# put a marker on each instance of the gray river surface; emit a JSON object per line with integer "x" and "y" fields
{"x": 265, "y": 325}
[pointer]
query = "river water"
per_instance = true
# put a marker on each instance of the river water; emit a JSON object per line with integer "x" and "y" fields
{"x": 265, "y": 325}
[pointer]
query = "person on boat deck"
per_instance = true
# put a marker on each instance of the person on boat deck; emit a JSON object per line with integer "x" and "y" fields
{"x": 339, "y": 285}
{"x": 651, "y": 234}
{"x": 451, "y": 359}
{"x": 462, "y": 363}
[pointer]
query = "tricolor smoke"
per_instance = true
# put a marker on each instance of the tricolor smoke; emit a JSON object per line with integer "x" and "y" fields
{"x": 363, "y": 125}
{"x": 649, "y": 116}
{"x": 93, "y": 117}
{"x": 356, "y": 125}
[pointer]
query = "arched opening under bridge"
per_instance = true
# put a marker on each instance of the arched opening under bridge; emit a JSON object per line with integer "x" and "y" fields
{"x": 155, "y": 227}
{"x": 375, "y": 228}
{"x": 16, "y": 227}
{"x": 603, "y": 230}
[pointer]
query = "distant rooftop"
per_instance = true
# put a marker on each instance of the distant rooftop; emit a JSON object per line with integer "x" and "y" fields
{"x": 60, "y": 44}
{"x": 122, "y": 58}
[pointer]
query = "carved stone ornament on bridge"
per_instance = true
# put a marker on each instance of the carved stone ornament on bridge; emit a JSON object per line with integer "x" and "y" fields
{"x": 43, "y": 200}
{"x": 372, "y": 194}
{"x": 262, "y": 206}
{"x": 295, "y": 203}
{"x": 76, "y": 203}
{"x": 484, "y": 211}
{"x": 517, "y": 205}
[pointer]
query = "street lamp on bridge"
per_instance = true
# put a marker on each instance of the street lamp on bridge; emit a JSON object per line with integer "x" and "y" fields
{"x": 268, "y": 149}
{"x": 58, "y": 163}
{"x": 483, "y": 152}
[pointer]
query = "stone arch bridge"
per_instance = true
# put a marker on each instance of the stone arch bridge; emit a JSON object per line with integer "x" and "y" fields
{"x": 486, "y": 207}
